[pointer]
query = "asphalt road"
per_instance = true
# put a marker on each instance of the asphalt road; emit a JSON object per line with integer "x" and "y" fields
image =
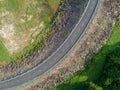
{"x": 58, "y": 55}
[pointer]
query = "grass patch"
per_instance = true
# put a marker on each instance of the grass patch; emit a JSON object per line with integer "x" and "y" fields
{"x": 53, "y": 5}
{"x": 31, "y": 20}
{"x": 115, "y": 37}
{"x": 94, "y": 68}
{"x": 13, "y": 5}
{"x": 4, "y": 54}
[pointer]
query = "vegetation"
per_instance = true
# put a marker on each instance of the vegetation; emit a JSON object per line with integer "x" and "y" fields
{"x": 110, "y": 76}
{"x": 31, "y": 21}
{"x": 53, "y": 5}
{"x": 103, "y": 72}
{"x": 4, "y": 55}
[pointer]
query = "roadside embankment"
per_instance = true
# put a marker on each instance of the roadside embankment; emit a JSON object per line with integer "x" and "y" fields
{"x": 64, "y": 21}
{"x": 95, "y": 37}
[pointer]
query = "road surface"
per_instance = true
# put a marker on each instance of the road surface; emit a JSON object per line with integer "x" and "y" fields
{"x": 59, "y": 54}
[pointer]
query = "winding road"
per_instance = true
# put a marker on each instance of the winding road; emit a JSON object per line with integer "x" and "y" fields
{"x": 59, "y": 54}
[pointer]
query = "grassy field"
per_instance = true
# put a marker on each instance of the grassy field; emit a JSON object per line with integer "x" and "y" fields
{"x": 94, "y": 68}
{"x": 23, "y": 25}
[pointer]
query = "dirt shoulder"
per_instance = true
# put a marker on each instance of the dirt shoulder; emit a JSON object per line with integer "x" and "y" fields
{"x": 95, "y": 37}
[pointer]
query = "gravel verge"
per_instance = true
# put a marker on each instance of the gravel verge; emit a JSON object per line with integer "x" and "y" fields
{"x": 67, "y": 16}
{"x": 95, "y": 37}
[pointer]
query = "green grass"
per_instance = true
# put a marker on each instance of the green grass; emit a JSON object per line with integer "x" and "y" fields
{"x": 4, "y": 55}
{"x": 94, "y": 68}
{"x": 13, "y": 5}
{"x": 115, "y": 37}
{"x": 54, "y": 4}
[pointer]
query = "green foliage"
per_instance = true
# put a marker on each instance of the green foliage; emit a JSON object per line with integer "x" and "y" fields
{"x": 4, "y": 55}
{"x": 103, "y": 72}
{"x": 93, "y": 86}
{"x": 13, "y": 5}
{"x": 111, "y": 71}
{"x": 115, "y": 37}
